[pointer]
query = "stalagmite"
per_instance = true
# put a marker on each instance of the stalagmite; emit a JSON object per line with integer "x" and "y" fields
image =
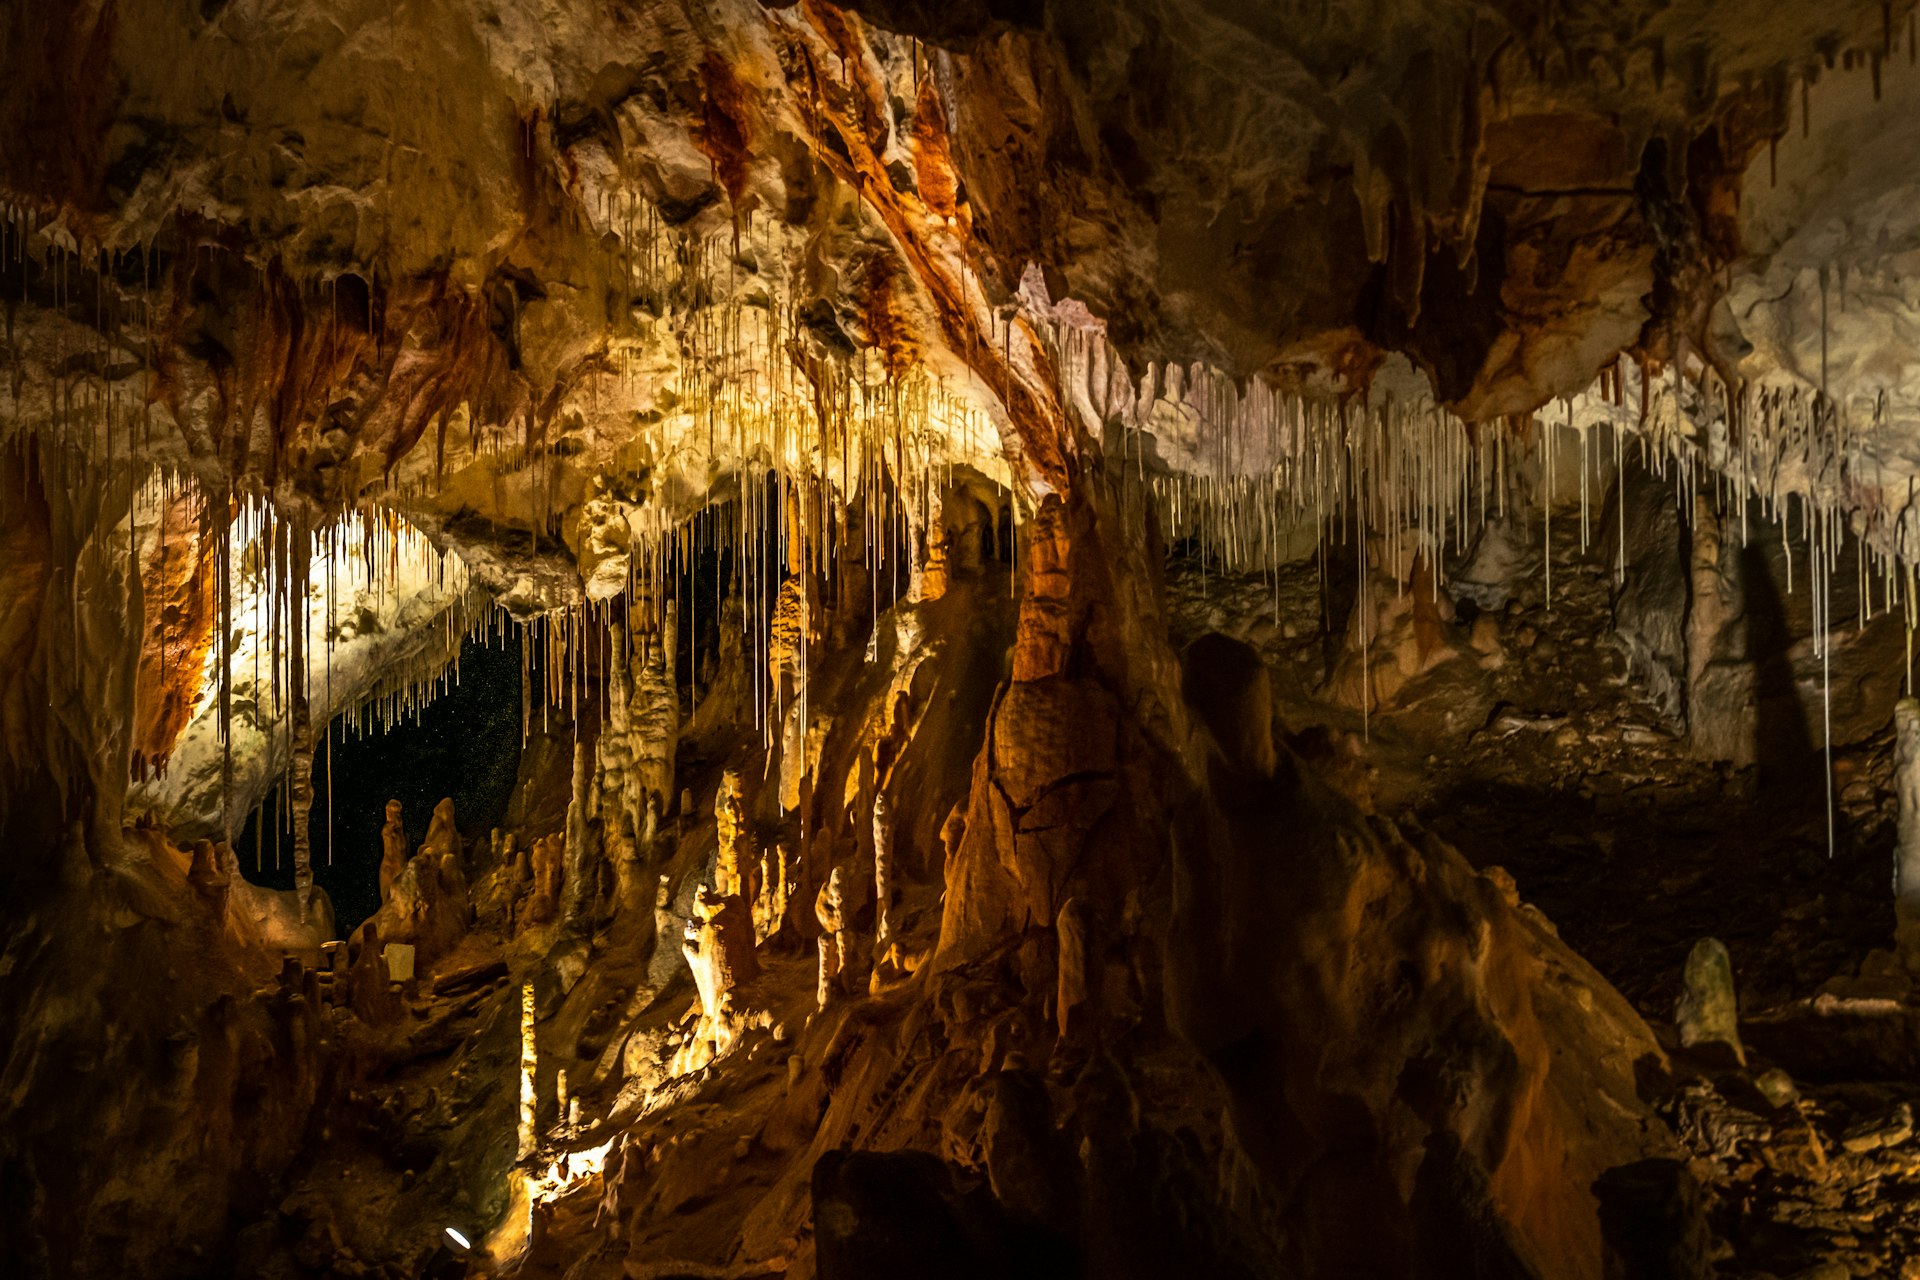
{"x": 653, "y": 716}
{"x": 830, "y": 909}
{"x": 529, "y": 1065}
{"x": 1906, "y": 788}
{"x": 548, "y": 865}
{"x": 932, "y": 577}
{"x": 734, "y": 853}
{"x": 1707, "y": 1013}
{"x": 582, "y": 851}
{"x": 719, "y": 947}
{"x": 663, "y": 918}
{"x": 882, "y": 876}
{"x": 208, "y": 878}
{"x": 775, "y": 881}
{"x": 299, "y": 728}
{"x": 1719, "y": 691}
{"x": 649, "y": 826}
{"x": 443, "y": 836}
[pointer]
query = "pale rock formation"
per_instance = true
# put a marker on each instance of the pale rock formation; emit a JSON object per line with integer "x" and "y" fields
{"x": 1707, "y": 1012}
{"x": 734, "y": 857}
{"x": 882, "y": 875}
{"x": 836, "y": 938}
{"x": 718, "y": 945}
{"x": 583, "y": 849}
{"x": 209, "y": 877}
{"x": 1399, "y": 628}
{"x": 393, "y": 857}
{"x": 399, "y": 958}
{"x": 529, "y": 1067}
{"x": 778, "y": 874}
{"x": 547, "y": 863}
{"x": 1906, "y": 867}
{"x": 601, "y": 540}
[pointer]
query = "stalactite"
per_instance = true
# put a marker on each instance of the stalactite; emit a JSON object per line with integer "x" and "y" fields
{"x": 299, "y": 729}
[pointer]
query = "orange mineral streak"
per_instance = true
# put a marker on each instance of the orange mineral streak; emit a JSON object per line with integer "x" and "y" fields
{"x": 176, "y": 583}
{"x": 725, "y": 137}
{"x": 1030, "y": 397}
{"x": 380, "y": 363}
{"x": 1043, "y": 640}
{"x": 26, "y": 572}
{"x": 934, "y": 173}
{"x": 887, "y": 330}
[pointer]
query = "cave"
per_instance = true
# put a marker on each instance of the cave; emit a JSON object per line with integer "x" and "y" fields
{"x": 842, "y": 639}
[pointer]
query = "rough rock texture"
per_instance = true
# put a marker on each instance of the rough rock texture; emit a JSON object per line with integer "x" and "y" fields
{"x": 1366, "y": 996}
{"x": 1650, "y": 604}
{"x": 872, "y": 351}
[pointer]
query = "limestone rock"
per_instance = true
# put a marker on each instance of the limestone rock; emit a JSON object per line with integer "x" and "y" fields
{"x": 1651, "y": 601}
{"x": 393, "y": 841}
{"x": 1707, "y": 1013}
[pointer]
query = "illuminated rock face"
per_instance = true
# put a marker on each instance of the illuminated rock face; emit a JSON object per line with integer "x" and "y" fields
{"x": 821, "y": 394}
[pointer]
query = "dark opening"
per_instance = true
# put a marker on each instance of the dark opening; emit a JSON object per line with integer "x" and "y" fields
{"x": 465, "y": 744}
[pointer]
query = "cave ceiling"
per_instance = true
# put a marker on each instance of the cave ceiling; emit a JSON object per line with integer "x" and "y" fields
{"x": 309, "y": 238}
{"x": 546, "y": 280}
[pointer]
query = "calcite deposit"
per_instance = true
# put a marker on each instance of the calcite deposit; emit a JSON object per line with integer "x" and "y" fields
{"x": 1127, "y": 639}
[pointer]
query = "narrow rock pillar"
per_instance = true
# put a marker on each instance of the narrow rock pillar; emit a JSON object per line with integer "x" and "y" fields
{"x": 529, "y": 1063}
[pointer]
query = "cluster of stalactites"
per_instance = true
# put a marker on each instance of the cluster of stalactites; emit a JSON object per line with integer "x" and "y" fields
{"x": 1257, "y": 478}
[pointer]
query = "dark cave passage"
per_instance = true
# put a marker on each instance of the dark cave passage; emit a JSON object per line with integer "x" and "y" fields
{"x": 464, "y": 744}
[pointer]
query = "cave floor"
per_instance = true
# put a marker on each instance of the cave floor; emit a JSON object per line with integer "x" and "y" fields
{"x": 1533, "y": 749}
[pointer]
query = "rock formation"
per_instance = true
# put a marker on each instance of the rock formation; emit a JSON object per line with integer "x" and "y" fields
{"x": 1268, "y": 575}
{"x": 393, "y": 857}
{"x": 735, "y": 857}
{"x": 1708, "y": 1013}
{"x": 835, "y": 944}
